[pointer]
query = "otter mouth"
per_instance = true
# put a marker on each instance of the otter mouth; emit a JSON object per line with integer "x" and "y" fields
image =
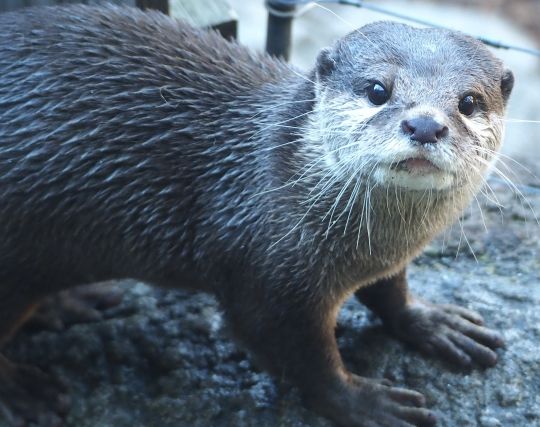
{"x": 419, "y": 165}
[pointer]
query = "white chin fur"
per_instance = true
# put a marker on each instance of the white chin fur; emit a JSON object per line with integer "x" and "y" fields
{"x": 411, "y": 181}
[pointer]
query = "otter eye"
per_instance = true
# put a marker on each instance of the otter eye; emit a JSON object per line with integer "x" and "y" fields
{"x": 467, "y": 105}
{"x": 377, "y": 93}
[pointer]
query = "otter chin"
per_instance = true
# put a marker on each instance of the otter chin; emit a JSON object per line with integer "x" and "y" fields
{"x": 414, "y": 174}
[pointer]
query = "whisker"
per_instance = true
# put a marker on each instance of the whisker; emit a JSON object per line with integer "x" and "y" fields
{"x": 279, "y": 124}
{"x": 466, "y": 240}
{"x": 481, "y": 212}
{"x": 302, "y": 76}
{"x": 513, "y": 187}
{"x": 334, "y": 205}
{"x": 352, "y": 199}
{"x": 280, "y": 106}
{"x": 351, "y": 26}
{"x": 508, "y": 120}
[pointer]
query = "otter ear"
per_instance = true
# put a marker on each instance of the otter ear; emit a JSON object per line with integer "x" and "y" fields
{"x": 507, "y": 83}
{"x": 325, "y": 63}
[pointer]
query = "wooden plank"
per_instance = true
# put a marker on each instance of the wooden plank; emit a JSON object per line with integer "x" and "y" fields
{"x": 217, "y": 14}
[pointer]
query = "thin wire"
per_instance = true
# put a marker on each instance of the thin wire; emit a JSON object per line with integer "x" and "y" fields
{"x": 485, "y": 40}
{"x": 385, "y": 11}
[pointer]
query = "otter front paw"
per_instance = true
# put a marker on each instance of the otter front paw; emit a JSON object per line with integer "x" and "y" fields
{"x": 366, "y": 403}
{"x": 449, "y": 331}
{"x": 84, "y": 304}
{"x": 30, "y": 397}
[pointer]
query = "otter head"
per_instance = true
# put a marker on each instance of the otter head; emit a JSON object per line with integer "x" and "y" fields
{"x": 415, "y": 108}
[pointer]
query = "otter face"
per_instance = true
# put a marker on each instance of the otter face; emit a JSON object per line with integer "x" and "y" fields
{"x": 415, "y": 108}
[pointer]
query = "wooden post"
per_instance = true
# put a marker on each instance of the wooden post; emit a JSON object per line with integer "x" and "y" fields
{"x": 161, "y": 5}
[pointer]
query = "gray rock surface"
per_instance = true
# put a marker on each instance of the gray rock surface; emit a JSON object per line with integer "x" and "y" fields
{"x": 164, "y": 358}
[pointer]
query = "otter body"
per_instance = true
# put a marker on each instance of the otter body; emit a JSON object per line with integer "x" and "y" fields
{"x": 134, "y": 146}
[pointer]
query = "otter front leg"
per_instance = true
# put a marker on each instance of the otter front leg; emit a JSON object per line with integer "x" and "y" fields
{"x": 449, "y": 331}
{"x": 294, "y": 338}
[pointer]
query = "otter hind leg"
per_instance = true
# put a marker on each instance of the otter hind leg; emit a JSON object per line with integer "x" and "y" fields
{"x": 444, "y": 330}
{"x": 27, "y": 395}
{"x": 30, "y": 396}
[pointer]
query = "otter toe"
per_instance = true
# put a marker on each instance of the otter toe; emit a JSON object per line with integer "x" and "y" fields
{"x": 451, "y": 332}
{"x": 84, "y": 304}
{"x": 368, "y": 403}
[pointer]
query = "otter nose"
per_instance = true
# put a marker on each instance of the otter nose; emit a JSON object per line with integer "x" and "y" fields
{"x": 424, "y": 130}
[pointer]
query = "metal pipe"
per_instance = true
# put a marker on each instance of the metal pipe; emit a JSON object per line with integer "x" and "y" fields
{"x": 279, "y": 29}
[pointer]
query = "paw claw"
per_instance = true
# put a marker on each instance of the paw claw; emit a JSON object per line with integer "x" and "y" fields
{"x": 449, "y": 331}
{"x": 482, "y": 354}
{"x": 368, "y": 403}
{"x": 407, "y": 397}
{"x": 470, "y": 315}
{"x": 418, "y": 416}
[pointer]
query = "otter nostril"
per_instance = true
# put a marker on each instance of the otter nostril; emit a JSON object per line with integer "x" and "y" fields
{"x": 407, "y": 128}
{"x": 442, "y": 132}
{"x": 424, "y": 130}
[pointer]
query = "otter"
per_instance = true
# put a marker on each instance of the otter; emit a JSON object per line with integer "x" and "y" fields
{"x": 135, "y": 146}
